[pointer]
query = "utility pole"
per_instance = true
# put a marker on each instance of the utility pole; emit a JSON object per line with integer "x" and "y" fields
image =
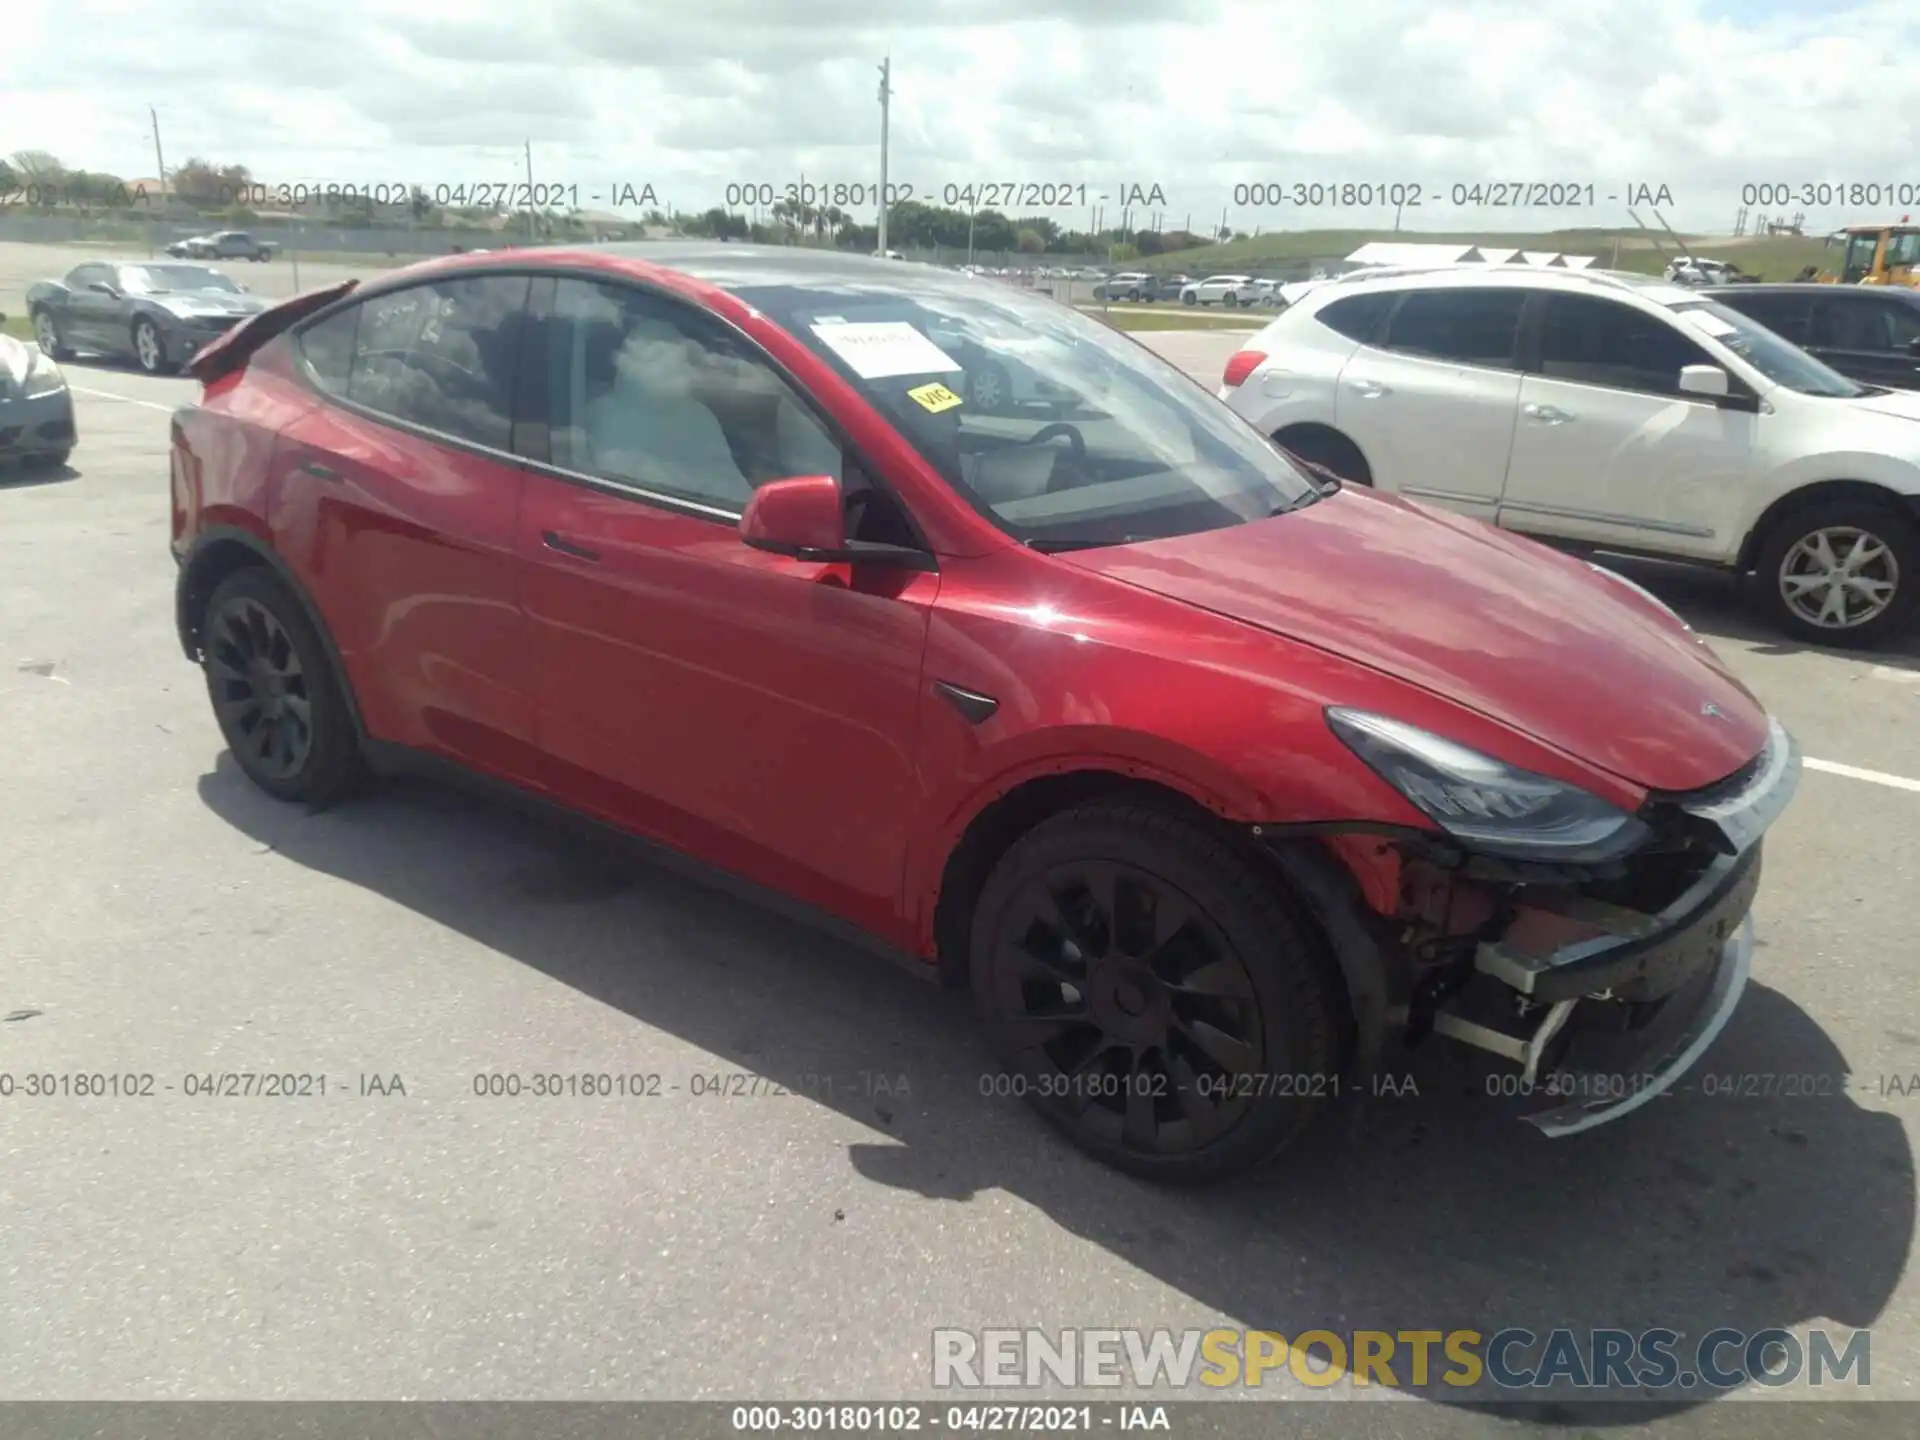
{"x": 886, "y": 94}
{"x": 530, "y": 233}
{"x": 161, "y": 165}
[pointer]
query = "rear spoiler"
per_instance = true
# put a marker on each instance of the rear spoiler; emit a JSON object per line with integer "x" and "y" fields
{"x": 233, "y": 349}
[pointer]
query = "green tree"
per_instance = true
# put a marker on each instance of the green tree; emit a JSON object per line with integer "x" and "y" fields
{"x": 1028, "y": 242}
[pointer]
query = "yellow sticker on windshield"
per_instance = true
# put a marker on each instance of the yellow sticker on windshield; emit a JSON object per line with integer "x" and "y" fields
{"x": 933, "y": 398}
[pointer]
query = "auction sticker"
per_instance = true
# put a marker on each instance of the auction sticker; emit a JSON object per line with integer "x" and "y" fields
{"x": 933, "y": 398}
{"x": 877, "y": 349}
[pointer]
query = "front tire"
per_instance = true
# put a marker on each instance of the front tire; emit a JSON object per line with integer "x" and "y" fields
{"x": 1841, "y": 572}
{"x": 149, "y": 350}
{"x": 1153, "y": 994}
{"x": 274, "y": 692}
{"x": 46, "y": 334}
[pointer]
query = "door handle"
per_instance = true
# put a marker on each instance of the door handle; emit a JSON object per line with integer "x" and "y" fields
{"x": 1546, "y": 414}
{"x": 1369, "y": 389}
{"x": 567, "y": 547}
{"x": 318, "y": 471}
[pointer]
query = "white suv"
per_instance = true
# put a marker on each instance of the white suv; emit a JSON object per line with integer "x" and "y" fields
{"x": 1600, "y": 411}
{"x": 1227, "y": 289}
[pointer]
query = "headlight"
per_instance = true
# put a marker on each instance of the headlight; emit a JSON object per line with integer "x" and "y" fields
{"x": 43, "y": 377}
{"x": 1642, "y": 591}
{"x": 1489, "y": 807}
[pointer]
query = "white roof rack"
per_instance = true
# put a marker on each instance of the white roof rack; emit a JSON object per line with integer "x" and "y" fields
{"x": 1617, "y": 280}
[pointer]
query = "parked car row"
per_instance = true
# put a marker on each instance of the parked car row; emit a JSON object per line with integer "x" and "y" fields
{"x": 1607, "y": 412}
{"x": 1216, "y": 782}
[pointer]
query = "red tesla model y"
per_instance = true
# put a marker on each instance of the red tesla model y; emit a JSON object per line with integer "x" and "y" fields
{"x": 947, "y": 615}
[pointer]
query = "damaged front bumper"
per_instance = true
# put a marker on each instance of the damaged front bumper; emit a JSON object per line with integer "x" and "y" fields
{"x": 1604, "y": 1006}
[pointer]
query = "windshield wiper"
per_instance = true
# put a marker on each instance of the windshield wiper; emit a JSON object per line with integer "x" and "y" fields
{"x": 1054, "y": 547}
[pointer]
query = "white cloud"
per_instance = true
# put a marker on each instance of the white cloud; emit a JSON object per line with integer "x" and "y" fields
{"x": 1699, "y": 95}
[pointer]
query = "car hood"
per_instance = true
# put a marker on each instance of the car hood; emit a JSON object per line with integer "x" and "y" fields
{"x": 209, "y": 302}
{"x": 15, "y": 357}
{"x": 1532, "y": 639}
{"x": 1902, "y": 404}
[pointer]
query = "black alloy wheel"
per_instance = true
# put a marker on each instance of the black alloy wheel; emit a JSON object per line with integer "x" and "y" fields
{"x": 273, "y": 691}
{"x": 260, "y": 688}
{"x": 1153, "y": 994}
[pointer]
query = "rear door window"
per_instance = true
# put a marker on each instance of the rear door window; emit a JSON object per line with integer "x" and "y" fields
{"x": 1860, "y": 322}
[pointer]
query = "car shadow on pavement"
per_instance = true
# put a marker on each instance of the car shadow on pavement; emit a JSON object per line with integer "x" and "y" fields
{"x": 1721, "y": 605}
{"x": 17, "y": 476}
{"x": 1430, "y": 1211}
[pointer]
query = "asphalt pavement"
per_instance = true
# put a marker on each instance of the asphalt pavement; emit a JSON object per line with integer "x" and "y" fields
{"x": 406, "y": 1235}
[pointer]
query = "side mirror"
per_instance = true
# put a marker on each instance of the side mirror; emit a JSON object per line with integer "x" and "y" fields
{"x": 803, "y": 517}
{"x": 1708, "y": 380}
{"x": 1914, "y": 345}
{"x": 103, "y": 287}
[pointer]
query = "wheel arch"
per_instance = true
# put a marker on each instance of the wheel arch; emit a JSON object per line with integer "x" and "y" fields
{"x": 1863, "y": 491}
{"x": 1319, "y": 429}
{"x": 221, "y": 551}
{"x": 1308, "y": 875}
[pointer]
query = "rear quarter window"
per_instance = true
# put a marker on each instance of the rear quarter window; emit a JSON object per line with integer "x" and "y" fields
{"x": 1357, "y": 317}
{"x": 327, "y": 349}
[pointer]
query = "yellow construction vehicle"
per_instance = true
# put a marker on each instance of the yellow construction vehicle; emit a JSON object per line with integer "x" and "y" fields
{"x": 1877, "y": 255}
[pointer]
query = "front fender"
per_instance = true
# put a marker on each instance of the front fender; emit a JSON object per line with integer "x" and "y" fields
{"x": 1049, "y": 754}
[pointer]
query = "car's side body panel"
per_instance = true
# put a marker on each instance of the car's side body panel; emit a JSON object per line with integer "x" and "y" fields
{"x": 756, "y": 711}
{"x": 408, "y": 545}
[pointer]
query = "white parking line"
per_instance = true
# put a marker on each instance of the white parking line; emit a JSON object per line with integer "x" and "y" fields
{"x": 1854, "y": 772}
{"x": 124, "y": 399}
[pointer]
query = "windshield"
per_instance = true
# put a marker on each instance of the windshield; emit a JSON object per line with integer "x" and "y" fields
{"x": 1779, "y": 360}
{"x": 158, "y": 279}
{"x": 1065, "y": 432}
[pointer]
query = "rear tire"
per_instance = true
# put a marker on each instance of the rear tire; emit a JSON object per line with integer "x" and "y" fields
{"x": 1868, "y": 553}
{"x": 1152, "y": 993}
{"x": 274, "y": 692}
{"x": 1328, "y": 448}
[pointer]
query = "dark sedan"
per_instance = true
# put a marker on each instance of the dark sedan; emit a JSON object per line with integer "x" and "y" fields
{"x": 157, "y": 315}
{"x": 1869, "y": 333}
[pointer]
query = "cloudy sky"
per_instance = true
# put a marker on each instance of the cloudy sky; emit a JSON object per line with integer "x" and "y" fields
{"x": 1195, "y": 97}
